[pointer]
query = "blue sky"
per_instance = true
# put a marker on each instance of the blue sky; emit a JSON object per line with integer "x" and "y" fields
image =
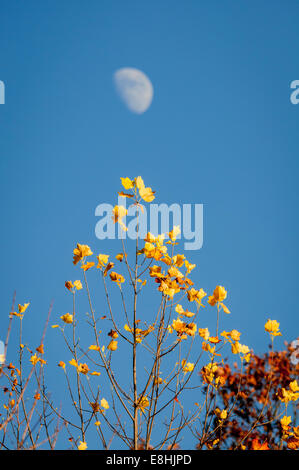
{"x": 221, "y": 131}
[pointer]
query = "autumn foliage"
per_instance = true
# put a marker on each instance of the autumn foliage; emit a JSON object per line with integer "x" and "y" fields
{"x": 244, "y": 401}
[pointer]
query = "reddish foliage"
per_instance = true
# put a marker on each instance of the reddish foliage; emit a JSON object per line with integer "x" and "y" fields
{"x": 252, "y": 394}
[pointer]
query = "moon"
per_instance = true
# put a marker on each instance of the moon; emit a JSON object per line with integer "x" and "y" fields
{"x": 134, "y": 88}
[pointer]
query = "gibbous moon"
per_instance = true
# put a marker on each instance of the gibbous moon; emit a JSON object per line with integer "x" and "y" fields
{"x": 134, "y": 88}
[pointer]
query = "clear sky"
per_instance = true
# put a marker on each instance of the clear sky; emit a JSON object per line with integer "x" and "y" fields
{"x": 221, "y": 131}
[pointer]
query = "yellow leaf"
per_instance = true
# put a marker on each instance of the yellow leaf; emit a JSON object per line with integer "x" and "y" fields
{"x": 22, "y": 308}
{"x": 94, "y": 347}
{"x": 73, "y": 363}
{"x": 147, "y": 194}
{"x": 102, "y": 260}
{"x": 87, "y": 266}
{"x": 78, "y": 285}
{"x": 82, "y": 446}
{"x": 127, "y": 183}
{"x": 104, "y": 404}
{"x": 119, "y": 257}
{"x": 139, "y": 182}
{"x": 67, "y": 318}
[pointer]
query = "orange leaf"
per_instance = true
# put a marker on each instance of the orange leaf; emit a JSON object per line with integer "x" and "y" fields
{"x": 214, "y": 339}
{"x": 257, "y": 445}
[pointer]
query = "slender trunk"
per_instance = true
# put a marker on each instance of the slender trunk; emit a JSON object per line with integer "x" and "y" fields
{"x": 135, "y": 432}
